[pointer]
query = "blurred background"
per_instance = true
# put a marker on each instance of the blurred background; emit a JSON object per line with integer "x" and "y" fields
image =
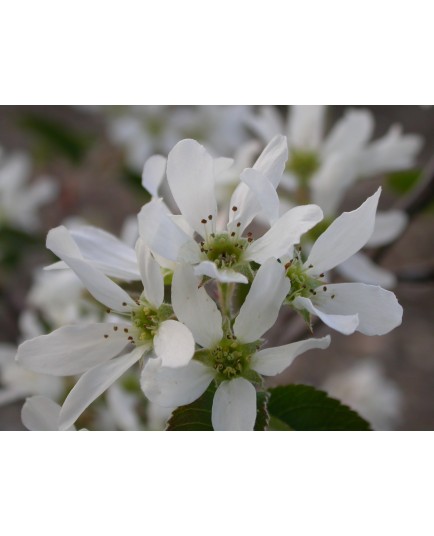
{"x": 67, "y": 165}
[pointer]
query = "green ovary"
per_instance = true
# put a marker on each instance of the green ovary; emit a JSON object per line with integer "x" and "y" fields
{"x": 225, "y": 251}
{"x": 301, "y": 283}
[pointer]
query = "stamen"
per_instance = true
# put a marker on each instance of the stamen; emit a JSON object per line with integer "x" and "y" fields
{"x": 125, "y": 330}
{"x": 239, "y": 224}
{"x": 115, "y": 328}
{"x": 210, "y": 217}
{"x": 324, "y": 289}
{"x": 105, "y": 336}
{"x": 234, "y": 209}
{"x": 203, "y": 221}
{"x": 124, "y": 304}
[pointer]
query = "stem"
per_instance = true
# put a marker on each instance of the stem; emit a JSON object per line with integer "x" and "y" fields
{"x": 225, "y": 293}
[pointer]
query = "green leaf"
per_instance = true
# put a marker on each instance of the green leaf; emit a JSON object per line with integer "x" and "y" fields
{"x": 301, "y": 407}
{"x": 197, "y": 416}
{"x": 403, "y": 181}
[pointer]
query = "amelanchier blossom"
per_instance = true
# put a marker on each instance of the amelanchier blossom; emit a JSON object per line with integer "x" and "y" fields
{"x": 321, "y": 169}
{"x": 146, "y": 323}
{"x": 345, "y": 307}
{"x": 19, "y": 200}
{"x": 230, "y": 353}
{"x": 223, "y": 253}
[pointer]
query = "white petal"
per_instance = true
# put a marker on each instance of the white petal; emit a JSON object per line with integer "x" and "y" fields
{"x": 270, "y": 165}
{"x": 378, "y": 309}
{"x": 72, "y": 349}
{"x": 234, "y": 406}
{"x": 174, "y": 344}
{"x": 267, "y": 123}
{"x": 190, "y": 173}
{"x": 328, "y": 185}
{"x": 342, "y": 322}
{"x": 286, "y": 232}
{"x": 61, "y": 243}
{"x": 261, "y": 307}
{"x": 195, "y": 308}
{"x": 272, "y": 361}
{"x": 362, "y": 269}
{"x": 153, "y": 174}
{"x": 100, "y": 286}
{"x": 227, "y": 275}
{"x": 163, "y": 236}
{"x": 107, "y": 252}
{"x": 264, "y": 191}
{"x": 152, "y": 278}
{"x": 92, "y": 384}
{"x": 351, "y": 133}
{"x": 271, "y": 162}
{"x": 393, "y": 152}
{"x": 345, "y": 236}
{"x": 305, "y": 128}
{"x": 388, "y": 226}
{"x": 169, "y": 387}
{"x": 40, "y": 414}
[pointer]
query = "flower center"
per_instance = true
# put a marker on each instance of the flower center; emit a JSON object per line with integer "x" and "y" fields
{"x": 224, "y": 250}
{"x": 303, "y": 164}
{"x": 230, "y": 358}
{"x": 147, "y": 319}
{"x": 302, "y": 284}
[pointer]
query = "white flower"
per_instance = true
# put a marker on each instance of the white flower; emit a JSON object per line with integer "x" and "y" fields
{"x": 322, "y": 168}
{"x": 223, "y": 254}
{"x": 365, "y": 388}
{"x": 93, "y": 349}
{"x": 20, "y": 201}
{"x": 345, "y": 307}
{"x": 144, "y": 130}
{"x": 230, "y": 356}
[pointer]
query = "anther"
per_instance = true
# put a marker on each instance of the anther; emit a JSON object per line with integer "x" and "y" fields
{"x": 239, "y": 224}
{"x": 333, "y": 296}
{"x": 105, "y": 336}
{"x": 233, "y": 233}
{"x": 321, "y": 275}
{"x": 310, "y": 266}
{"x": 250, "y": 239}
{"x": 115, "y": 328}
{"x": 108, "y": 311}
{"x": 234, "y": 209}
{"x": 130, "y": 338}
{"x": 324, "y": 289}
{"x": 125, "y": 330}
{"x": 124, "y": 304}
{"x": 249, "y": 233}
{"x": 210, "y": 217}
{"x": 203, "y": 221}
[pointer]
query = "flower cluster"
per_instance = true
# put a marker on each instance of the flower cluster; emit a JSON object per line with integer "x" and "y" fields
{"x": 191, "y": 304}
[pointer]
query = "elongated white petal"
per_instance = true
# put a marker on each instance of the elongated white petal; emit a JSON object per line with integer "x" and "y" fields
{"x": 271, "y": 162}
{"x": 264, "y": 191}
{"x": 266, "y": 123}
{"x": 343, "y": 322}
{"x": 272, "y": 361}
{"x": 163, "y": 236}
{"x": 270, "y": 165}
{"x": 360, "y": 268}
{"x": 122, "y": 407}
{"x": 153, "y": 174}
{"x": 195, "y": 308}
{"x": 169, "y": 387}
{"x": 107, "y": 252}
{"x": 174, "y": 344}
{"x": 388, "y": 226}
{"x": 261, "y": 307}
{"x": 93, "y": 383}
{"x": 190, "y": 173}
{"x": 345, "y": 236}
{"x": 378, "y": 310}
{"x": 234, "y": 406}
{"x": 305, "y": 127}
{"x": 40, "y": 414}
{"x": 337, "y": 173}
{"x": 100, "y": 286}
{"x": 61, "y": 243}
{"x": 286, "y": 232}
{"x": 351, "y": 133}
{"x": 393, "y": 152}
{"x": 152, "y": 278}
{"x": 72, "y": 350}
{"x": 226, "y": 275}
